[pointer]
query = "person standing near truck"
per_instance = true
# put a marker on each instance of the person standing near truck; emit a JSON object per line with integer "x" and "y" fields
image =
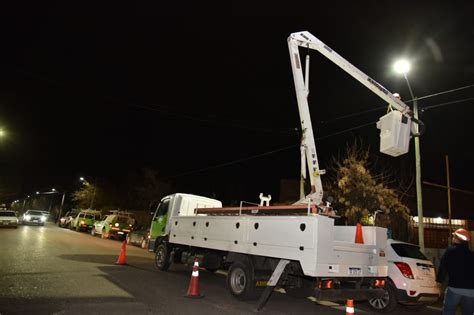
{"x": 458, "y": 263}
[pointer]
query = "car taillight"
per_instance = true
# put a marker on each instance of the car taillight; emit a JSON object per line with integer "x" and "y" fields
{"x": 404, "y": 269}
{"x": 379, "y": 283}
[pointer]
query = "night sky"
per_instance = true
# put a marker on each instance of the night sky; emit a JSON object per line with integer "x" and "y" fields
{"x": 194, "y": 96}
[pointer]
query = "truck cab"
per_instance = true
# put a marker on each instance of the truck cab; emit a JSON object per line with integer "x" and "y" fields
{"x": 174, "y": 205}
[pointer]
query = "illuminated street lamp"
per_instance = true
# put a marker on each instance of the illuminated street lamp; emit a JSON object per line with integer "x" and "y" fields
{"x": 403, "y": 66}
{"x": 2, "y": 133}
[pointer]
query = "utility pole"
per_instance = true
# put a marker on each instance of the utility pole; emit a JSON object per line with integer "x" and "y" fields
{"x": 61, "y": 207}
{"x": 419, "y": 195}
{"x": 448, "y": 185}
{"x": 93, "y": 193}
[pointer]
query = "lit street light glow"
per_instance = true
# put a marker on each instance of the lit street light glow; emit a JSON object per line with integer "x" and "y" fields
{"x": 2, "y": 133}
{"x": 402, "y": 66}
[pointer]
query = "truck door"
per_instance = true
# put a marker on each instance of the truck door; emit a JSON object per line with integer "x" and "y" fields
{"x": 158, "y": 224}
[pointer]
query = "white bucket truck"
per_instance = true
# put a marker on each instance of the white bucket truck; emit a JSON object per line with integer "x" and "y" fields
{"x": 296, "y": 246}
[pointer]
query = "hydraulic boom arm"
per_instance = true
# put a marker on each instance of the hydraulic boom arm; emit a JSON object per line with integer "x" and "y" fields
{"x": 308, "y": 147}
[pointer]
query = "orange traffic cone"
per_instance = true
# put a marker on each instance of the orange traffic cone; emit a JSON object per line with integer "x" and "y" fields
{"x": 122, "y": 260}
{"x": 193, "y": 289}
{"x": 350, "y": 307}
{"x": 359, "y": 239}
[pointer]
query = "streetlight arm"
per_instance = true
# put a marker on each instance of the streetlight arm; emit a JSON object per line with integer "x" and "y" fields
{"x": 415, "y": 119}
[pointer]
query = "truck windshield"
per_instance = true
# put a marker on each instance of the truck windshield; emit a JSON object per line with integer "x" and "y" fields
{"x": 162, "y": 208}
{"x": 408, "y": 251}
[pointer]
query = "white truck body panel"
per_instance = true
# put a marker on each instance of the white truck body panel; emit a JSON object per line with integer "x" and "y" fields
{"x": 321, "y": 248}
{"x": 185, "y": 204}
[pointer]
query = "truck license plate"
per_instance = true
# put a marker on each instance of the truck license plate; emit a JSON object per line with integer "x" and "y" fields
{"x": 354, "y": 271}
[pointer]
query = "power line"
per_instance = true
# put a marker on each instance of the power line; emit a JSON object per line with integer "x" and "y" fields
{"x": 385, "y": 107}
{"x": 235, "y": 161}
{"x": 445, "y": 92}
{"x": 213, "y": 121}
{"x": 447, "y": 103}
{"x": 266, "y": 153}
{"x": 316, "y": 139}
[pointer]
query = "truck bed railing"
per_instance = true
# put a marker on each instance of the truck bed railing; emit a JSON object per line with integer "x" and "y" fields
{"x": 262, "y": 210}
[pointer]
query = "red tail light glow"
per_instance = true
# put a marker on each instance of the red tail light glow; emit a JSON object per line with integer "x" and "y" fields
{"x": 404, "y": 269}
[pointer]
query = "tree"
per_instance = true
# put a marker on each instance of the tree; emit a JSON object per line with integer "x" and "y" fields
{"x": 84, "y": 196}
{"x": 359, "y": 193}
{"x": 148, "y": 187}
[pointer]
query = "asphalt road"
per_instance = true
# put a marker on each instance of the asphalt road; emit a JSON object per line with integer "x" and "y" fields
{"x": 49, "y": 270}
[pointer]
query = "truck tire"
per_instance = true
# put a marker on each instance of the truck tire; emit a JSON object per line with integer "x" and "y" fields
{"x": 93, "y": 231}
{"x": 388, "y": 302}
{"x": 241, "y": 281}
{"x": 162, "y": 257}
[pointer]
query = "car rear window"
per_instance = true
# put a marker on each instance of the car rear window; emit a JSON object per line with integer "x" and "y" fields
{"x": 34, "y": 212}
{"x": 124, "y": 220}
{"x": 7, "y": 214}
{"x": 92, "y": 216}
{"x": 408, "y": 251}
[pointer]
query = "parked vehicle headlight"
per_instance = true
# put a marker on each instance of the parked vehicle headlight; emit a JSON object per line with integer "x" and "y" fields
{"x": 43, "y": 219}
{"x": 116, "y": 224}
{"x": 27, "y": 217}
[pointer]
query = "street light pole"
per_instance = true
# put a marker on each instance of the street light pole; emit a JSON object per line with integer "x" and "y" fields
{"x": 61, "y": 207}
{"x": 419, "y": 194}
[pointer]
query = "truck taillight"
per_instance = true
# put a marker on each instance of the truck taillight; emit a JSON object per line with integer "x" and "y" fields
{"x": 326, "y": 284}
{"x": 404, "y": 269}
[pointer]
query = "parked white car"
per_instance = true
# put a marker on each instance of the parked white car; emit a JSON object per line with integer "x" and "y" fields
{"x": 411, "y": 278}
{"x": 8, "y": 219}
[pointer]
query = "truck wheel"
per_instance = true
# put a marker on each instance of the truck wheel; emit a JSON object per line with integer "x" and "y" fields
{"x": 93, "y": 231}
{"x": 162, "y": 257}
{"x": 386, "y": 303}
{"x": 241, "y": 281}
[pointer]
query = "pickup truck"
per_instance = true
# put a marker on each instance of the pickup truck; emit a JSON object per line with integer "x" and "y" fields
{"x": 115, "y": 225}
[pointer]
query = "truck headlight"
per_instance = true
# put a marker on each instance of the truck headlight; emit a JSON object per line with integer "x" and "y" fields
{"x": 116, "y": 224}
